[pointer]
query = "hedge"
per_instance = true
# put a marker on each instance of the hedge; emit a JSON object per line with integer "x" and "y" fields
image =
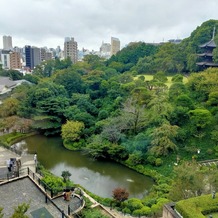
{"x": 197, "y": 207}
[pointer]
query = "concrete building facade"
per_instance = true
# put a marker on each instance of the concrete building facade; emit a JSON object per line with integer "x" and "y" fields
{"x": 115, "y": 45}
{"x": 71, "y": 49}
{"x": 105, "y": 50}
{"x": 7, "y": 43}
{"x": 15, "y": 60}
{"x": 32, "y": 56}
{"x": 5, "y": 59}
{"x": 36, "y": 56}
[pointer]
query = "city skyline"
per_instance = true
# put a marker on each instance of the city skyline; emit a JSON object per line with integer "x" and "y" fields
{"x": 46, "y": 23}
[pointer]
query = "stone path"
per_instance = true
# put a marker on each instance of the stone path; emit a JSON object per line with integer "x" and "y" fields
{"x": 5, "y": 154}
{"x": 24, "y": 191}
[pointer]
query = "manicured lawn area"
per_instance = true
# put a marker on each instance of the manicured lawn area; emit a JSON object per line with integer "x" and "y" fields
{"x": 168, "y": 83}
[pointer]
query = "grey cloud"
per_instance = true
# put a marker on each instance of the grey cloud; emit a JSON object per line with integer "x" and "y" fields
{"x": 93, "y": 21}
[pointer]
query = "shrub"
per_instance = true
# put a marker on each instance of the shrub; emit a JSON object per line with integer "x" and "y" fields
{"x": 158, "y": 162}
{"x": 151, "y": 159}
{"x": 134, "y": 204}
{"x": 144, "y": 211}
{"x": 126, "y": 210}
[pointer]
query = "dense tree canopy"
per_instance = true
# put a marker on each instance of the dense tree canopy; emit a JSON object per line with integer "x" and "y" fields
{"x": 113, "y": 110}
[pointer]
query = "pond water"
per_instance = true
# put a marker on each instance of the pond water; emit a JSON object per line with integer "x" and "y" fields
{"x": 99, "y": 177}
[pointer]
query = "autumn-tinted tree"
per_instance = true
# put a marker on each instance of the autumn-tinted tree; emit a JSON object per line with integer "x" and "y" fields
{"x": 120, "y": 194}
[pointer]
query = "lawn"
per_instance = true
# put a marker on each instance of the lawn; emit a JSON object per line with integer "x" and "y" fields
{"x": 168, "y": 83}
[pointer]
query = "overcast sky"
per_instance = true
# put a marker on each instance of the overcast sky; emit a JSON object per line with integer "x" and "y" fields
{"x": 46, "y": 22}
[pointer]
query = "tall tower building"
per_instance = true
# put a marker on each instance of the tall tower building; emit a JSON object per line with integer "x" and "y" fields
{"x": 29, "y": 56}
{"x": 70, "y": 49}
{"x": 36, "y": 56}
{"x": 7, "y": 43}
{"x": 32, "y": 56}
{"x": 115, "y": 45}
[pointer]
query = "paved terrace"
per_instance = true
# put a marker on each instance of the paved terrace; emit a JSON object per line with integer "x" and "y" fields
{"x": 25, "y": 190}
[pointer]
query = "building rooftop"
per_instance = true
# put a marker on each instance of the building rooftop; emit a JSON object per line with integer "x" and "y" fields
{"x": 210, "y": 44}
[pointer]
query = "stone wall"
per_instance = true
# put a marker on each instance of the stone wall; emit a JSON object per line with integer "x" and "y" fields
{"x": 169, "y": 212}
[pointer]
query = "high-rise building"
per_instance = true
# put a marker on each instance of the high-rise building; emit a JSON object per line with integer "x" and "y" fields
{"x": 70, "y": 49}
{"x": 15, "y": 60}
{"x": 105, "y": 50}
{"x": 29, "y": 56}
{"x": 36, "y": 56}
{"x": 32, "y": 56}
{"x": 7, "y": 43}
{"x": 43, "y": 53}
{"x": 115, "y": 45}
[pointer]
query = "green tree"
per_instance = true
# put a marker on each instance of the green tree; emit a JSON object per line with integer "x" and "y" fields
{"x": 186, "y": 181}
{"x": 71, "y": 81}
{"x": 66, "y": 175}
{"x": 184, "y": 101}
{"x": 169, "y": 58}
{"x": 145, "y": 65}
{"x": 177, "y": 78}
{"x": 72, "y": 130}
{"x": 94, "y": 61}
{"x": 134, "y": 115}
{"x": 160, "y": 76}
{"x": 200, "y": 118}
{"x": 75, "y": 113}
{"x": 176, "y": 89}
{"x": 202, "y": 84}
{"x": 163, "y": 138}
{"x": 159, "y": 108}
{"x": 213, "y": 99}
{"x": 9, "y": 107}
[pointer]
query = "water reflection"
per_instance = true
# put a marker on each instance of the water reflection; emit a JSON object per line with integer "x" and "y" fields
{"x": 99, "y": 177}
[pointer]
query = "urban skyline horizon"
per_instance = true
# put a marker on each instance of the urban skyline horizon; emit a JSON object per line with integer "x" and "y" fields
{"x": 17, "y": 43}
